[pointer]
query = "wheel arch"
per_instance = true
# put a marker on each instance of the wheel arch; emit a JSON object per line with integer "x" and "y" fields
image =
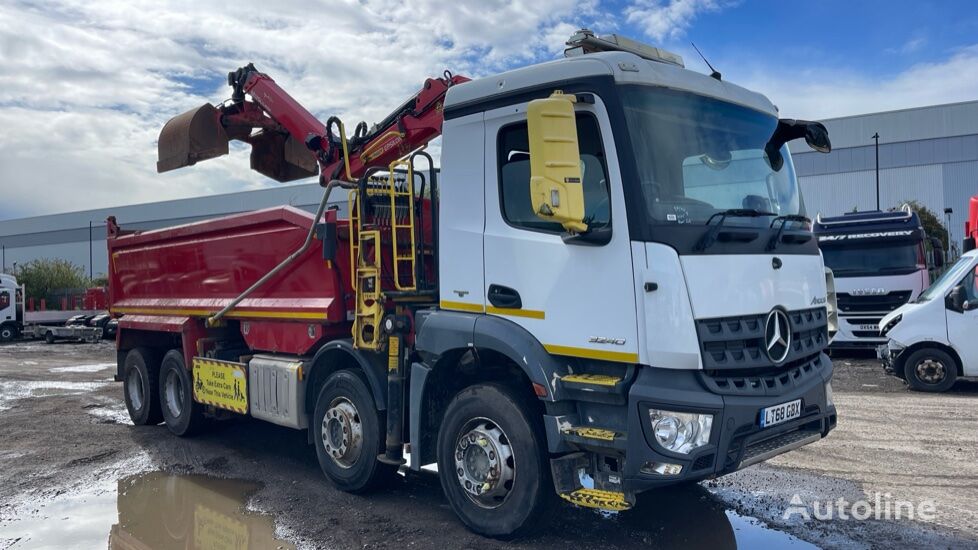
{"x": 340, "y": 354}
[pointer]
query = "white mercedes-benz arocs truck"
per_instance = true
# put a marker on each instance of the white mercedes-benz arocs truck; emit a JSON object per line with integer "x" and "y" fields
{"x": 626, "y": 292}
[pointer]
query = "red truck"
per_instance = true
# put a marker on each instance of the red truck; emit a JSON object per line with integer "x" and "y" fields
{"x": 547, "y": 323}
{"x": 971, "y": 225}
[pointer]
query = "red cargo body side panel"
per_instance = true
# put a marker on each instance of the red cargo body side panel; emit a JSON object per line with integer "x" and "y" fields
{"x": 196, "y": 269}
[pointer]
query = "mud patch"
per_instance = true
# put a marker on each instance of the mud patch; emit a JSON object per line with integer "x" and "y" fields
{"x": 13, "y": 390}
{"x": 153, "y": 510}
{"x": 97, "y": 367}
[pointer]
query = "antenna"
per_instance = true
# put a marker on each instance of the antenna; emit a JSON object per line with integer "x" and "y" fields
{"x": 715, "y": 74}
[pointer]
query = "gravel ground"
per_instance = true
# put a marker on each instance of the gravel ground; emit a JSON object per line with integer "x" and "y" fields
{"x": 64, "y": 432}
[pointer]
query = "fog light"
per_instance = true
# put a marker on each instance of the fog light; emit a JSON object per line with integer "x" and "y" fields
{"x": 662, "y": 468}
{"x": 829, "y": 398}
{"x": 680, "y": 432}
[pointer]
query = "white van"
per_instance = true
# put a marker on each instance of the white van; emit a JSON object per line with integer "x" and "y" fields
{"x": 933, "y": 341}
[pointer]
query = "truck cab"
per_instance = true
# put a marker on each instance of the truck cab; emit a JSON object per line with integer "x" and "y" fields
{"x": 879, "y": 263}
{"x": 10, "y": 312}
{"x": 931, "y": 341}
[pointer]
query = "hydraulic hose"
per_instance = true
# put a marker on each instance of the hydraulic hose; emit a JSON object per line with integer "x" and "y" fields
{"x": 213, "y": 319}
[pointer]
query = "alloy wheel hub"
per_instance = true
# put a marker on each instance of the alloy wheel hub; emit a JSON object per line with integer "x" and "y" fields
{"x": 484, "y": 463}
{"x": 342, "y": 432}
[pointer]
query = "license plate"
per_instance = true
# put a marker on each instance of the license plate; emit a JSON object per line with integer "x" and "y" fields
{"x": 868, "y": 327}
{"x": 780, "y": 413}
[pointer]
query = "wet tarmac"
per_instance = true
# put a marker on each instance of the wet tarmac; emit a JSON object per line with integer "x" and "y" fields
{"x": 75, "y": 473}
{"x": 153, "y": 510}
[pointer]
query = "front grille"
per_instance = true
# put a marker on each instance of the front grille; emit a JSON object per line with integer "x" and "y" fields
{"x": 863, "y": 320}
{"x": 866, "y": 334}
{"x": 703, "y": 462}
{"x": 738, "y": 342}
{"x": 781, "y": 380}
{"x": 884, "y": 303}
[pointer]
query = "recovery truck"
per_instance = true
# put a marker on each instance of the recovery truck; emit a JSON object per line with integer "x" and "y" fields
{"x": 609, "y": 286}
{"x": 879, "y": 263}
{"x": 16, "y": 321}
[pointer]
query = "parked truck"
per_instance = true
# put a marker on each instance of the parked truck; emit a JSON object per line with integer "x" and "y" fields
{"x": 610, "y": 286}
{"x": 879, "y": 262}
{"x": 16, "y": 321}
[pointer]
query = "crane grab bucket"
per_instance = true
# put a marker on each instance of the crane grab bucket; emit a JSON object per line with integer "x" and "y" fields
{"x": 193, "y": 136}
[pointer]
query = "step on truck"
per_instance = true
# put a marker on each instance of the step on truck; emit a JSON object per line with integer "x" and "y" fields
{"x": 609, "y": 286}
{"x": 879, "y": 261}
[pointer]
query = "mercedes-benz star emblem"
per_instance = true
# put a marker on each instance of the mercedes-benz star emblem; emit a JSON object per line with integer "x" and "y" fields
{"x": 777, "y": 335}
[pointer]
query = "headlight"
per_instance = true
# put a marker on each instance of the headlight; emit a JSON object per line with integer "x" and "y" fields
{"x": 680, "y": 432}
{"x": 889, "y": 326}
{"x": 829, "y": 398}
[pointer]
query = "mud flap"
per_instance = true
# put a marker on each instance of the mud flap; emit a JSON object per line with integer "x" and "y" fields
{"x": 191, "y": 137}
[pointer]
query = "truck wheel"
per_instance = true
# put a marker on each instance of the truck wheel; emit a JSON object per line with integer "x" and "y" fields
{"x": 7, "y": 333}
{"x": 930, "y": 370}
{"x": 49, "y": 337}
{"x": 492, "y": 461}
{"x": 182, "y": 414}
{"x": 348, "y": 434}
{"x": 141, "y": 380}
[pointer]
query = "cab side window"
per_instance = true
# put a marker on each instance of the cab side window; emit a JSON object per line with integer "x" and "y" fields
{"x": 4, "y": 299}
{"x": 514, "y": 176}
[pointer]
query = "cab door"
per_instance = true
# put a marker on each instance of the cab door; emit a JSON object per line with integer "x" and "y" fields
{"x": 962, "y": 324}
{"x": 577, "y": 299}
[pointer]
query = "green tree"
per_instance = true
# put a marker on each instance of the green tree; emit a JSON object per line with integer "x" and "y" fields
{"x": 932, "y": 223}
{"x": 46, "y": 275}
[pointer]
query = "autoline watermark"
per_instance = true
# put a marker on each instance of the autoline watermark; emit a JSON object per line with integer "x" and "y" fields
{"x": 880, "y": 507}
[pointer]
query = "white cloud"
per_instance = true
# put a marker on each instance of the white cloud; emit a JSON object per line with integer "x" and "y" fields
{"x": 669, "y": 19}
{"x": 88, "y": 84}
{"x": 827, "y": 92}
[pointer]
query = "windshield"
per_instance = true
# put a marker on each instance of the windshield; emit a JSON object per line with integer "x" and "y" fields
{"x": 950, "y": 277}
{"x": 697, "y": 156}
{"x": 873, "y": 259}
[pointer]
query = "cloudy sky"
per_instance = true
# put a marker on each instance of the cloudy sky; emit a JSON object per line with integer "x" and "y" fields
{"x": 85, "y": 86}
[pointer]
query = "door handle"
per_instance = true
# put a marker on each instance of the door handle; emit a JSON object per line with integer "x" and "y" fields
{"x": 503, "y": 296}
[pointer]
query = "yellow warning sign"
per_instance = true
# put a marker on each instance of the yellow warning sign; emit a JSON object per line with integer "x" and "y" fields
{"x": 222, "y": 384}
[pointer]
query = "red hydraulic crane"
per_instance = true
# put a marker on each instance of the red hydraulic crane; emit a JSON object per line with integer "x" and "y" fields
{"x": 290, "y": 143}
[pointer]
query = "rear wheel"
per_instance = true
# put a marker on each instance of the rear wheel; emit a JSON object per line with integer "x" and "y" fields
{"x": 183, "y": 415}
{"x": 930, "y": 370}
{"x": 349, "y": 435}
{"x": 49, "y": 337}
{"x": 492, "y": 461}
{"x": 141, "y": 386}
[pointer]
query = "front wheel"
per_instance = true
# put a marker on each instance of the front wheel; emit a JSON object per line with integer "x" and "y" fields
{"x": 492, "y": 461}
{"x": 930, "y": 370}
{"x": 49, "y": 337}
{"x": 7, "y": 333}
{"x": 348, "y": 434}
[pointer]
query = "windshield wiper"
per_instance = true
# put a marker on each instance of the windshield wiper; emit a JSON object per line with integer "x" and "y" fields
{"x": 776, "y": 240}
{"x": 710, "y": 236}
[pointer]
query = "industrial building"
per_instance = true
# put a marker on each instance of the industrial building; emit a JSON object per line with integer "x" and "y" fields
{"x": 927, "y": 154}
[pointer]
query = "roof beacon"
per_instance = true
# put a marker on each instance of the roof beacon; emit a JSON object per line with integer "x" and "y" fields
{"x": 584, "y": 42}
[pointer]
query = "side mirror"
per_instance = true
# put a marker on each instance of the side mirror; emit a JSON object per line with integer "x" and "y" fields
{"x": 957, "y": 298}
{"x": 556, "y": 191}
{"x": 815, "y": 134}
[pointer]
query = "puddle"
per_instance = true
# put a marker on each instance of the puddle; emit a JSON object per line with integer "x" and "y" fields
{"x": 11, "y": 391}
{"x": 84, "y": 368}
{"x": 154, "y": 510}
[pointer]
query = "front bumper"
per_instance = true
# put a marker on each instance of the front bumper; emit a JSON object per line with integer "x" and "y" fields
{"x": 889, "y": 355}
{"x": 855, "y": 334}
{"x": 737, "y": 440}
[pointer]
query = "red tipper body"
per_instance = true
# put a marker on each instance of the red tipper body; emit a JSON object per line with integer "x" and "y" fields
{"x": 172, "y": 279}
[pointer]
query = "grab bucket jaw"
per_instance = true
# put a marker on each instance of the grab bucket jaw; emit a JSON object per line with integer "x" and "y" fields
{"x": 191, "y": 137}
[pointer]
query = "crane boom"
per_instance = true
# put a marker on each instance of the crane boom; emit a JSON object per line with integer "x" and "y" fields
{"x": 288, "y": 142}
